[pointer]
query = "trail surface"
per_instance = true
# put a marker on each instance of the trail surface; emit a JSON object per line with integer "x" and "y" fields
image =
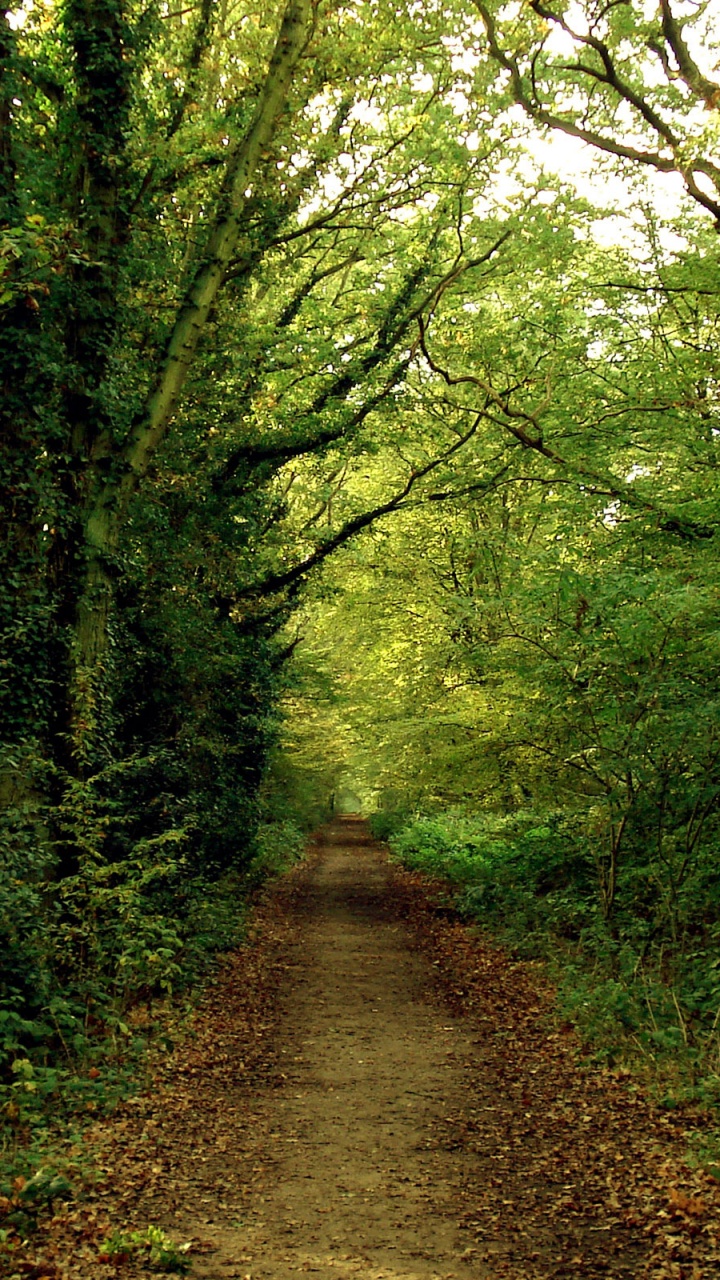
{"x": 358, "y": 1184}
{"x": 370, "y": 1090}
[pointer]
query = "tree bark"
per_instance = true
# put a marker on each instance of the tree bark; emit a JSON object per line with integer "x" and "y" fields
{"x": 114, "y": 478}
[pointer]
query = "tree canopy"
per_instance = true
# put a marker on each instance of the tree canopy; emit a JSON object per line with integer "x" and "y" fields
{"x": 360, "y": 399}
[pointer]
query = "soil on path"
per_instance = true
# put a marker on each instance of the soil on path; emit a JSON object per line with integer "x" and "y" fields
{"x": 371, "y": 1091}
{"x": 358, "y": 1185}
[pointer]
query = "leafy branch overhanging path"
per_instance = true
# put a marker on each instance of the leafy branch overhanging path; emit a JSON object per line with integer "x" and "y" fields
{"x": 369, "y": 1090}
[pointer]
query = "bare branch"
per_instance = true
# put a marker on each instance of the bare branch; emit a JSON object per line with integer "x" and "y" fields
{"x": 524, "y": 426}
{"x": 528, "y": 99}
{"x": 697, "y": 83}
{"x": 280, "y": 581}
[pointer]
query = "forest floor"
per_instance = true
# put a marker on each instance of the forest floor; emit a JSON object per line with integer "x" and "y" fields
{"x": 368, "y": 1089}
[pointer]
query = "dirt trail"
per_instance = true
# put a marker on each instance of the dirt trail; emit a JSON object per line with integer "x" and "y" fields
{"x": 369, "y": 1090}
{"x": 394, "y": 1139}
{"x": 358, "y": 1186}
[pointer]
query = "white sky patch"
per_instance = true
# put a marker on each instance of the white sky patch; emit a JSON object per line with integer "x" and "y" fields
{"x": 16, "y": 20}
{"x": 637, "y": 472}
{"x": 502, "y": 195}
{"x": 576, "y": 162}
{"x": 365, "y": 113}
{"x": 298, "y": 161}
{"x": 706, "y": 185}
{"x": 613, "y": 230}
{"x": 558, "y": 41}
{"x": 459, "y": 102}
{"x": 330, "y": 190}
{"x": 462, "y": 58}
{"x": 321, "y": 110}
{"x": 421, "y": 82}
{"x": 332, "y": 184}
{"x": 610, "y": 515}
{"x": 580, "y": 165}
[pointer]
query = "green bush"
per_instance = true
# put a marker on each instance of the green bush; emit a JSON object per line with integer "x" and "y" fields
{"x": 116, "y": 930}
{"x": 632, "y": 990}
{"x": 278, "y": 845}
{"x": 521, "y": 871}
{"x": 385, "y": 823}
{"x": 151, "y": 1246}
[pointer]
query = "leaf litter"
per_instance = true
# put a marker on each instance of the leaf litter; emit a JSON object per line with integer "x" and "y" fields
{"x": 412, "y": 1109}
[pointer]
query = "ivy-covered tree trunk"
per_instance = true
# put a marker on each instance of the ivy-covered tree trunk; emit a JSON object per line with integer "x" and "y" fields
{"x": 102, "y": 45}
{"x": 114, "y": 471}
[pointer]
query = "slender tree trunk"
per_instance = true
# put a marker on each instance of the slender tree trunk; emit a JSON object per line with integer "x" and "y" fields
{"x": 609, "y": 870}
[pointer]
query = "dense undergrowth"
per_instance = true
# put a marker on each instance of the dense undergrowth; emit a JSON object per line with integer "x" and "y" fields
{"x": 82, "y": 999}
{"x": 640, "y": 987}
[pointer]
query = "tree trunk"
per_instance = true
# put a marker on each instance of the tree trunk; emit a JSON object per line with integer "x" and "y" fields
{"x": 112, "y": 489}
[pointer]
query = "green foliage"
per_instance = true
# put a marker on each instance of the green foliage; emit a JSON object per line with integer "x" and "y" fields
{"x": 24, "y": 1198}
{"x": 705, "y": 1151}
{"x": 368, "y": 328}
{"x": 115, "y": 934}
{"x": 630, "y": 994}
{"x": 278, "y": 846}
{"x": 151, "y": 1246}
{"x": 386, "y": 823}
{"x": 520, "y": 872}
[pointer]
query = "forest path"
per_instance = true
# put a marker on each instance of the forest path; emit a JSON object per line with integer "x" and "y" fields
{"x": 394, "y": 1139}
{"x": 358, "y": 1185}
{"x": 368, "y": 1089}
